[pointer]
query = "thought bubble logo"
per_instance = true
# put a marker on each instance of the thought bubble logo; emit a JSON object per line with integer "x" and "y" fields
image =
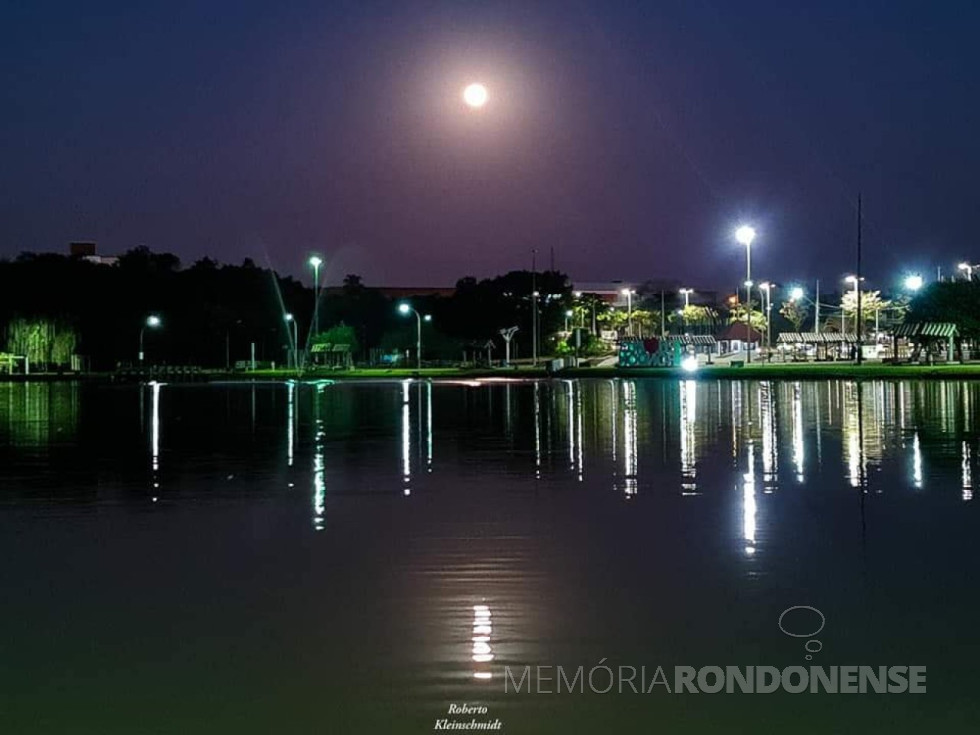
{"x": 798, "y": 621}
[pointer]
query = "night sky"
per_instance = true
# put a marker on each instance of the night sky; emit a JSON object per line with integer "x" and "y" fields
{"x": 631, "y": 137}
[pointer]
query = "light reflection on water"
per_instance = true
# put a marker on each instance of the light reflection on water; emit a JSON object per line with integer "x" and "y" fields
{"x": 505, "y": 523}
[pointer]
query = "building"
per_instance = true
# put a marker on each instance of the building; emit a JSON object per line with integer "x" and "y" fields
{"x": 738, "y": 336}
{"x": 87, "y": 251}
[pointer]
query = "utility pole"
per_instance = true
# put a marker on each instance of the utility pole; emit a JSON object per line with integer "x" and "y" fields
{"x": 860, "y": 351}
{"x": 816, "y": 309}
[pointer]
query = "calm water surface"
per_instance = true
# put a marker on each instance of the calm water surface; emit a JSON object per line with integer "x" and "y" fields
{"x": 282, "y": 558}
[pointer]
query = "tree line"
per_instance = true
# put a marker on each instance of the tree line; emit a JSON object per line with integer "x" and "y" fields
{"x": 211, "y": 314}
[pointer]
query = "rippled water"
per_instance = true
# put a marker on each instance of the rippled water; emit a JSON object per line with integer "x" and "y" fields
{"x": 357, "y": 557}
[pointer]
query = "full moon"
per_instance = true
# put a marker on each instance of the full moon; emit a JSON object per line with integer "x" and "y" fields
{"x": 475, "y": 95}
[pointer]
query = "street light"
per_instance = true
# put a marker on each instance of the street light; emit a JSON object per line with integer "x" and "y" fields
{"x": 591, "y": 302}
{"x": 913, "y": 282}
{"x": 152, "y": 321}
{"x": 405, "y": 309}
{"x": 628, "y": 293}
{"x": 968, "y": 267}
{"x": 578, "y": 297}
{"x": 745, "y": 235}
{"x": 291, "y": 320}
{"x": 855, "y": 281}
{"x": 568, "y": 315}
{"x": 687, "y": 296}
{"x": 316, "y": 261}
{"x": 796, "y": 294}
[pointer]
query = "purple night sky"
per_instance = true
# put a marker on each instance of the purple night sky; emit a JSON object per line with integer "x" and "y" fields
{"x": 631, "y": 137}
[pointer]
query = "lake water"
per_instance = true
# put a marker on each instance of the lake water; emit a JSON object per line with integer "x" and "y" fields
{"x": 346, "y": 558}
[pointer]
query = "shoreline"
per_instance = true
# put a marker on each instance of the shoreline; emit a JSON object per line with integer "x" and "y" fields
{"x": 809, "y": 372}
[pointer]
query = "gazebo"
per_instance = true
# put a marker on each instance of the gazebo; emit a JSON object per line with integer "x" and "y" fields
{"x": 336, "y": 356}
{"x": 818, "y": 340}
{"x": 926, "y": 334}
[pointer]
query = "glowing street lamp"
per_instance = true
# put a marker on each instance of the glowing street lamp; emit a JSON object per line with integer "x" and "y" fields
{"x": 291, "y": 321}
{"x": 687, "y": 296}
{"x": 581, "y": 313}
{"x": 568, "y": 315}
{"x": 628, "y": 293}
{"x": 745, "y": 234}
{"x": 405, "y": 308}
{"x": 796, "y": 294}
{"x": 316, "y": 261}
{"x": 913, "y": 282}
{"x": 855, "y": 281}
{"x": 968, "y": 267}
{"x": 153, "y": 322}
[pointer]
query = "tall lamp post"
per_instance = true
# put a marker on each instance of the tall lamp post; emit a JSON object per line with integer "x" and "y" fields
{"x": 628, "y": 293}
{"x": 581, "y": 309}
{"x": 153, "y": 322}
{"x": 406, "y": 309}
{"x": 687, "y": 296}
{"x": 745, "y": 235}
{"x": 291, "y": 321}
{"x": 316, "y": 261}
{"x": 854, "y": 280}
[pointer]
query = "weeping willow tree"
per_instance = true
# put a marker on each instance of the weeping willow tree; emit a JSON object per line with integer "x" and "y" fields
{"x": 45, "y": 342}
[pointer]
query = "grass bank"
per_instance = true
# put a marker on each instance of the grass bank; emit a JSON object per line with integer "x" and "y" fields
{"x": 755, "y": 371}
{"x": 789, "y": 371}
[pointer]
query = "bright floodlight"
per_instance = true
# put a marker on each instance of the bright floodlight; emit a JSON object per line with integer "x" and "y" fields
{"x": 913, "y": 282}
{"x": 475, "y": 95}
{"x": 404, "y": 308}
{"x": 964, "y": 266}
{"x": 627, "y": 291}
{"x": 153, "y": 321}
{"x": 851, "y": 279}
{"x": 316, "y": 261}
{"x": 745, "y": 235}
{"x": 796, "y": 293}
{"x": 690, "y": 363}
{"x": 427, "y": 318}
